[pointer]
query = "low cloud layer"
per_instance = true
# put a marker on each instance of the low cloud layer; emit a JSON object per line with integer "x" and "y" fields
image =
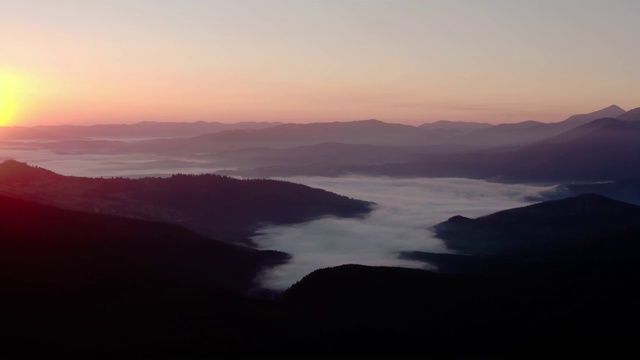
{"x": 407, "y": 209}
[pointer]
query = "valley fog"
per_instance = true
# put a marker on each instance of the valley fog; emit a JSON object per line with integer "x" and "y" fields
{"x": 406, "y": 210}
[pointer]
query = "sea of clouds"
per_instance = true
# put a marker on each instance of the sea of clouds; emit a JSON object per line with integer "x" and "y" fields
{"x": 405, "y": 212}
{"x": 402, "y": 221}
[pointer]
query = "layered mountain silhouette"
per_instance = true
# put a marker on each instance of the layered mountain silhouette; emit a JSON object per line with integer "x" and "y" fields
{"x": 543, "y": 225}
{"x": 217, "y": 206}
{"x": 530, "y": 131}
{"x": 371, "y": 132}
{"x": 144, "y": 129}
{"x": 604, "y": 149}
{"x": 627, "y": 190}
{"x": 447, "y": 128}
{"x": 536, "y": 152}
{"x": 631, "y": 115}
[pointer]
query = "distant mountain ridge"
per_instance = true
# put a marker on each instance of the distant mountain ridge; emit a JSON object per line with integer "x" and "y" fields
{"x": 531, "y": 131}
{"x": 605, "y": 149}
{"x": 144, "y": 129}
{"x": 627, "y": 190}
{"x": 631, "y": 115}
{"x": 608, "y": 112}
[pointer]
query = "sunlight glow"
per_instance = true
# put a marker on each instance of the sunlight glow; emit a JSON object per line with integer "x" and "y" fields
{"x": 14, "y": 91}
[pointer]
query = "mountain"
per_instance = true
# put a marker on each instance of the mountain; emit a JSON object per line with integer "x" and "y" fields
{"x": 453, "y": 128}
{"x": 529, "y": 227}
{"x": 531, "y": 131}
{"x": 391, "y": 312}
{"x": 631, "y": 115}
{"x": 216, "y": 206}
{"x": 608, "y": 112}
{"x": 323, "y": 157}
{"x": 72, "y": 251}
{"x": 627, "y": 190}
{"x": 144, "y": 129}
{"x": 76, "y": 284}
{"x": 372, "y": 132}
{"x": 604, "y": 149}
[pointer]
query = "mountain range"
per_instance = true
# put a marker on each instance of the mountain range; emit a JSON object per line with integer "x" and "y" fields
{"x": 604, "y": 149}
{"x": 598, "y": 146}
{"x": 216, "y": 206}
{"x": 139, "y": 288}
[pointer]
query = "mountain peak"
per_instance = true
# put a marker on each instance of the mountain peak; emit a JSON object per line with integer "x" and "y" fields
{"x": 611, "y": 111}
{"x": 613, "y": 107}
{"x": 631, "y": 115}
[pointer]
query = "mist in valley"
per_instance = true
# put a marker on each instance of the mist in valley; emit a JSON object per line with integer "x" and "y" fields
{"x": 406, "y": 210}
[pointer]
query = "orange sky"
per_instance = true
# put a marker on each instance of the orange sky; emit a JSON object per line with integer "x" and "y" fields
{"x": 89, "y": 61}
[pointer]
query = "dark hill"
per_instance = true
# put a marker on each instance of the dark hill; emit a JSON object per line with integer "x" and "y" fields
{"x": 216, "y": 206}
{"x": 43, "y": 248}
{"x": 529, "y": 227}
{"x": 393, "y": 312}
{"x": 627, "y": 190}
{"x": 79, "y": 284}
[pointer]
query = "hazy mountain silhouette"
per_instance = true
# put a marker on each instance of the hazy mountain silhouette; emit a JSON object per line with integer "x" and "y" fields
{"x": 144, "y": 129}
{"x": 631, "y": 115}
{"x": 220, "y": 207}
{"x": 372, "y": 132}
{"x": 608, "y": 112}
{"x": 627, "y": 190}
{"x": 325, "y": 156}
{"x": 525, "y": 229}
{"x": 604, "y": 149}
{"x": 530, "y": 131}
{"x": 453, "y": 128}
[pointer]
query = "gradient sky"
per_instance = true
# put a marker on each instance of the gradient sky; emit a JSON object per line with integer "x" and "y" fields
{"x": 410, "y": 61}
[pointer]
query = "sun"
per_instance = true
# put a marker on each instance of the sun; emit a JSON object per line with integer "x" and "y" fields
{"x": 14, "y": 90}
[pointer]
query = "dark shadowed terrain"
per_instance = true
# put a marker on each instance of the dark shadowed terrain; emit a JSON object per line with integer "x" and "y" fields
{"x": 162, "y": 267}
{"x": 217, "y": 206}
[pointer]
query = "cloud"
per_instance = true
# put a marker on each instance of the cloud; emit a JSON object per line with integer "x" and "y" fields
{"x": 407, "y": 209}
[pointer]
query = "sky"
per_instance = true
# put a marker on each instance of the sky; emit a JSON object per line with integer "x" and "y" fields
{"x": 406, "y": 61}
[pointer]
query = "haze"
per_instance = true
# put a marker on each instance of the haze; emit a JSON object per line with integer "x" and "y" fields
{"x": 402, "y": 221}
{"x": 88, "y": 61}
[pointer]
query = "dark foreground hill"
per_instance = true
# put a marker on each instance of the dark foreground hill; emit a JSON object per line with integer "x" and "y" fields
{"x": 531, "y": 227}
{"x": 43, "y": 245}
{"x": 91, "y": 286}
{"x": 627, "y": 190}
{"x": 102, "y": 286}
{"x": 216, "y": 206}
{"x": 402, "y": 312}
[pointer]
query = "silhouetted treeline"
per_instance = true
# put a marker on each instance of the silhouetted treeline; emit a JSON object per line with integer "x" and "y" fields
{"x": 216, "y": 206}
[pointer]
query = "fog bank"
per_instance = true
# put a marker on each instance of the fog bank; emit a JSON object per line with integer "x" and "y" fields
{"x": 407, "y": 209}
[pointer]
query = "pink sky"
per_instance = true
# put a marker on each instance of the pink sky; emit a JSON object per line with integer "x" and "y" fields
{"x": 88, "y": 61}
